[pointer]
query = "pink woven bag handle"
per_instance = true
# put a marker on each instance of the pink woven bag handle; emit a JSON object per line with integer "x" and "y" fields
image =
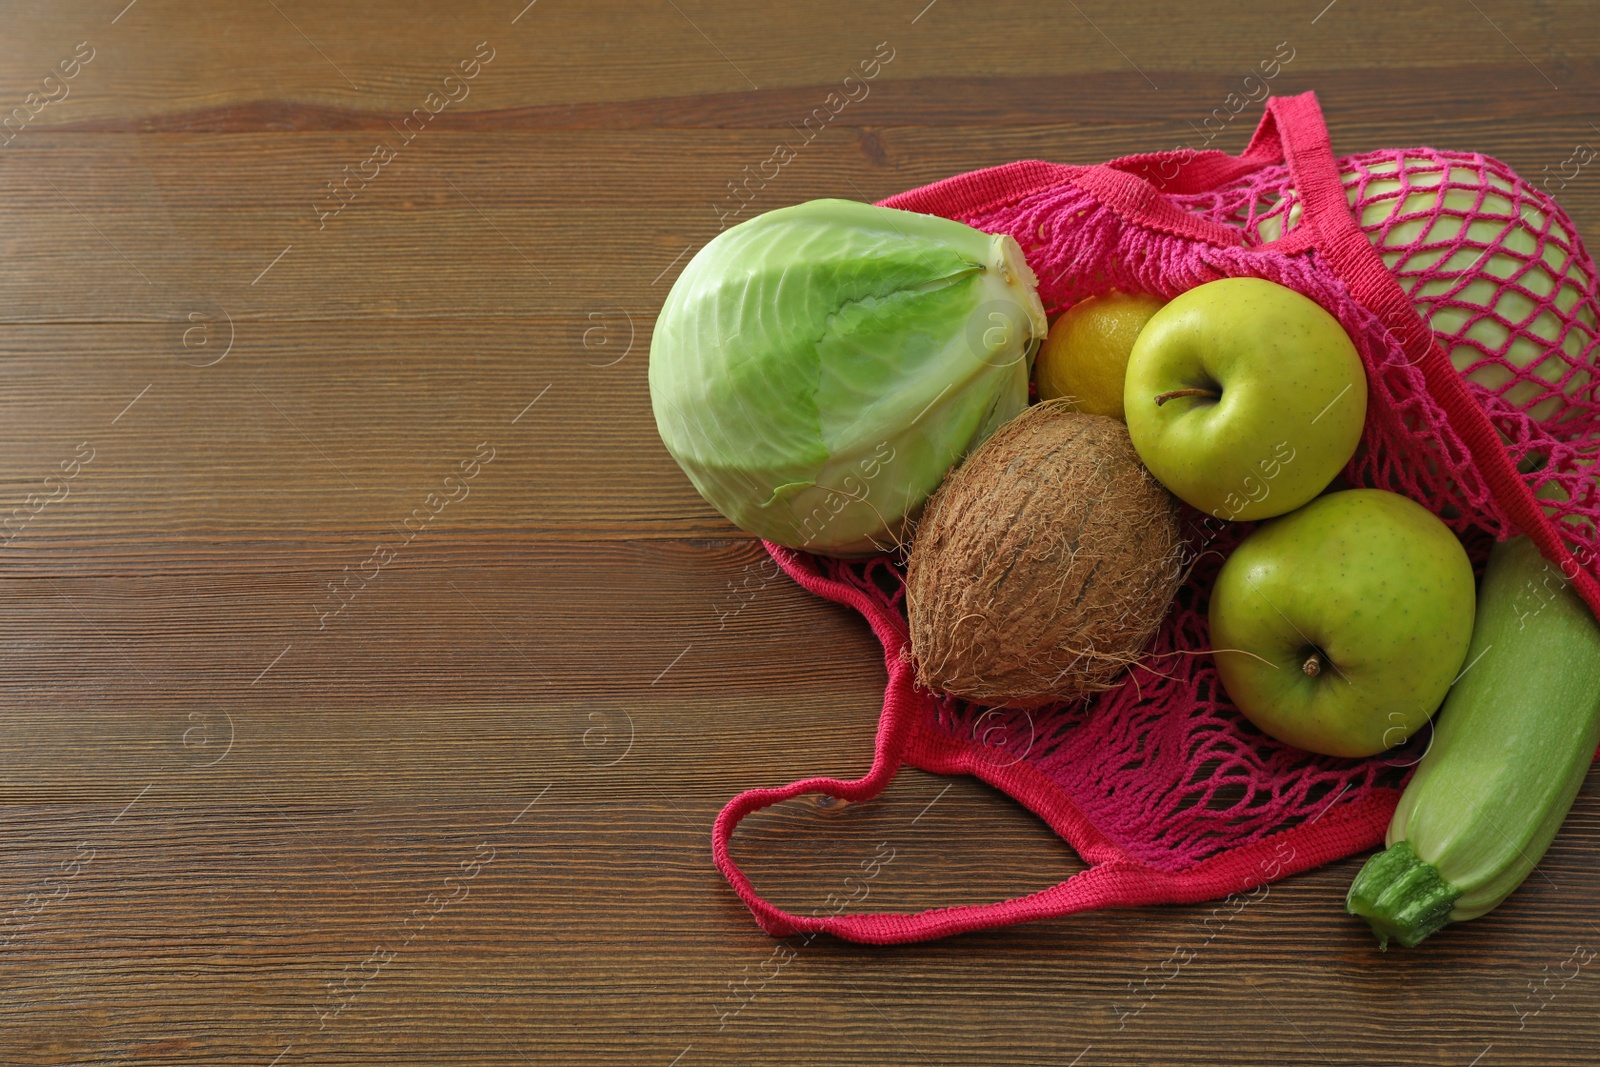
{"x": 1291, "y": 131}
{"x": 1098, "y": 886}
{"x": 1114, "y": 879}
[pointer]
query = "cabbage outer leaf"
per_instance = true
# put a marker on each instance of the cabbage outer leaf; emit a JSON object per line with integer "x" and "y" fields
{"x": 818, "y": 369}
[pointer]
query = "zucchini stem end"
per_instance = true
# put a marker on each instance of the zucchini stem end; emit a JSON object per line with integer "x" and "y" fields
{"x": 1400, "y": 896}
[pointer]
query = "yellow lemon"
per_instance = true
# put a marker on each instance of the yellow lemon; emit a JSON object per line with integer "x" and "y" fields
{"x": 1085, "y": 356}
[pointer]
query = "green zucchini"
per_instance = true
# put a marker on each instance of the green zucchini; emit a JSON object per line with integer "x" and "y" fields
{"x": 1512, "y": 744}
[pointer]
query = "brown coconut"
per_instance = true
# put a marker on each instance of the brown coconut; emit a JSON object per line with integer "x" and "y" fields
{"x": 1043, "y": 565}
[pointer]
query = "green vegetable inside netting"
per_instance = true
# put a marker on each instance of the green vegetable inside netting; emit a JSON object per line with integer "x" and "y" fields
{"x": 818, "y": 369}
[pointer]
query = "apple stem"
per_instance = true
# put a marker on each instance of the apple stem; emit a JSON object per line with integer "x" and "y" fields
{"x": 1313, "y": 665}
{"x": 1162, "y": 398}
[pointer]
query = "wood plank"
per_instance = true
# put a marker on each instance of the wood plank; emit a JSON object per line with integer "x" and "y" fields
{"x": 548, "y": 665}
{"x": 181, "y": 55}
{"x": 331, "y": 432}
{"x": 1468, "y": 90}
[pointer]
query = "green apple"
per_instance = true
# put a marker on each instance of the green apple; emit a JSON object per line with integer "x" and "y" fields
{"x": 1340, "y": 627}
{"x": 1244, "y": 398}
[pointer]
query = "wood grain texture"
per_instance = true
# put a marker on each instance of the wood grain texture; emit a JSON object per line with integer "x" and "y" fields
{"x": 259, "y": 805}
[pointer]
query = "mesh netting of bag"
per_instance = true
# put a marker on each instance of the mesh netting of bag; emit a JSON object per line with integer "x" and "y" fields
{"x": 1164, "y": 765}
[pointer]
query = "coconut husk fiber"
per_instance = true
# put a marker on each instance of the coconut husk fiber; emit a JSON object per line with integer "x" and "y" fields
{"x": 1043, "y": 565}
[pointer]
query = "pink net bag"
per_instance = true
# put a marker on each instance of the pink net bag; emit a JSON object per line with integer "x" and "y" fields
{"x": 1164, "y": 789}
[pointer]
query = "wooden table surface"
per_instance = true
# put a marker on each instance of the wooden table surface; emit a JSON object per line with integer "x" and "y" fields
{"x": 261, "y": 713}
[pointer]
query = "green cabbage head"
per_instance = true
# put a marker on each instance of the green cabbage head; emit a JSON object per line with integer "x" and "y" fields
{"x": 818, "y": 369}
